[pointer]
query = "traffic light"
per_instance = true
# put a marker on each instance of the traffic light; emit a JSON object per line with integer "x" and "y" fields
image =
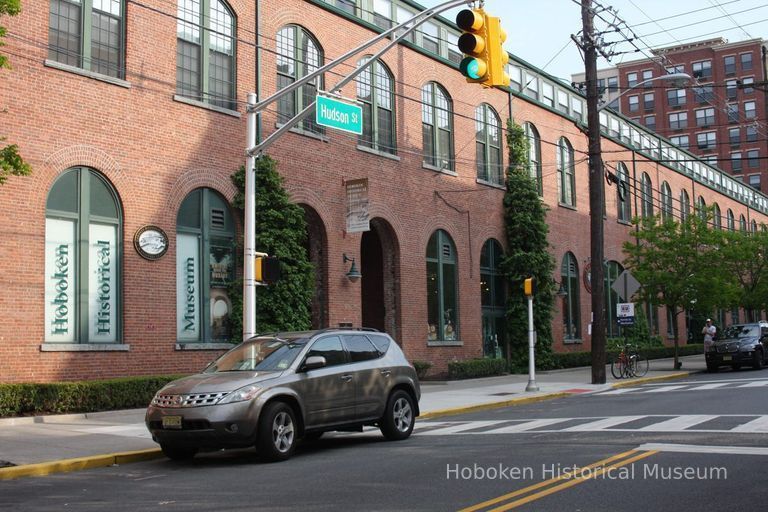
{"x": 485, "y": 59}
{"x": 529, "y": 286}
{"x": 266, "y": 269}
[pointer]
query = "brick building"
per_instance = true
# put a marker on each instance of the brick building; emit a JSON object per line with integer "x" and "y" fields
{"x": 720, "y": 117}
{"x": 132, "y": 115}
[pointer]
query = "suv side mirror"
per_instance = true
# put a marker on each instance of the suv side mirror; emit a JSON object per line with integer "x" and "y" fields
{"x": 313, "y": 362}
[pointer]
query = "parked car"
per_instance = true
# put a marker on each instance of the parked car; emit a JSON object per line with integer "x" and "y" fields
{"x": 272, "y": 390}
{"x": 739, "y": 344}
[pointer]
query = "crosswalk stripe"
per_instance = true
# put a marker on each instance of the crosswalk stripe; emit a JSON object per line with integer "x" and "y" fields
{"x": 757, "y": 425}
{"x": 602, "y": 424}
{"x": 678, "y": 424}
{"x": 664, "y": 389}
{"x": 455, "y": 429}
{"x": 528, "y": 425}
{"x": 714, "y": 385}
{"x": 755, "y": 384}
{"x": 619, "y": 391}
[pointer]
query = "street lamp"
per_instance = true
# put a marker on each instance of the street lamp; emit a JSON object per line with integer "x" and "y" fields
{"x": 674, "y": 79}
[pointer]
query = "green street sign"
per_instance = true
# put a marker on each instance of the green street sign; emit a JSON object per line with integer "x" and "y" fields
{"x": 339, "y": 114}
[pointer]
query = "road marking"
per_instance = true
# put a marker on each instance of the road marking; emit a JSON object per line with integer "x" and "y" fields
{"x": 528, "y": 425}
{"x": 712, "y": 386}
{"x": 602, "y": 424}
{"x": 717, "y": 380}
{"x": 664, "y": 389}
{"x": 462, "y": 427}
{"x": 755, "y": 384}
{"x": 545, "y": 483}
{"x": 757, "y": 425}
{"x": 619, "y": 391}
{"x": 692, "y": 448}
{"x": 678, "y": 424}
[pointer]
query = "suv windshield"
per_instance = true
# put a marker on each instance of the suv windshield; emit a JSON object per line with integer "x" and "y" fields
{"x": 741, "y": 331}
{"x": 260, "y": 354}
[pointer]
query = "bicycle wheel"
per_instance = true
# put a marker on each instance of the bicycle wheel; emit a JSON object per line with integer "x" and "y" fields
{"x": 617, "y": 367}
{"x": 641, "y": 365}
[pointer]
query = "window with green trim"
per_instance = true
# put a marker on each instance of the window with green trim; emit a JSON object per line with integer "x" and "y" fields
{"x": 83, "y": 229}
{"x": 205, "y": 52}
{"x": 534, "y": 156}
{"x": 646, "y": 200}
{"x": 298, "y": 55}
{"x": 569, "y": 279}
{"x": 205, "y": 267}
{"x": 437, "y": 126}
{"x": 488, "y": 145}
{"x": 612, "y": 271}
{"x": 566, "y": 175}
{"x": 375, "y": 91}
{"x": 442, "y": 288}
{"x": 88, "y": 34}
{"x": 717, "y": 219}
{"x": 623, "y": 196}
{"x": 666, "y": 202}
{"x": 685, "y": 205}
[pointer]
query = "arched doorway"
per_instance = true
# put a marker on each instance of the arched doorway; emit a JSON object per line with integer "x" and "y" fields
{"x": 379, "y": 286}
{"x": 316, "y": 245}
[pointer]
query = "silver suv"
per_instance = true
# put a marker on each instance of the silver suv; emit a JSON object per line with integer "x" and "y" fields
{"x": 273, "y": 389}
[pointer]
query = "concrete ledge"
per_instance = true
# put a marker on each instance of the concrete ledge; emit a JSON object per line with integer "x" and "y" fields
{"x": 66, "y": 465}
{"x": 643, "y": 380}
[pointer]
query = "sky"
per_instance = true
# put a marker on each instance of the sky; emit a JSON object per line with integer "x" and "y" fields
{"x": 539, "y": 31}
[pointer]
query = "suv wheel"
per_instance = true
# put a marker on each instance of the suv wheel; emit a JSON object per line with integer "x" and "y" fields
{"x": 178, "y": 452}
{"x": 277, "y": 432}
{"x": 757, "y": 359}
{"x": 712, "y": 367}
{"x": 399, "y": 417}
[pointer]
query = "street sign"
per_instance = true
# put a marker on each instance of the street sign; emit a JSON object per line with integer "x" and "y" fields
{"x": 625, "y": 285}
{"x": 625, "y": 313}
{"x": 338, "y": 114}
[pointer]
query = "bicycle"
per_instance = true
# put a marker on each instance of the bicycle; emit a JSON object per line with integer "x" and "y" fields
{"x": 629, "y": 363}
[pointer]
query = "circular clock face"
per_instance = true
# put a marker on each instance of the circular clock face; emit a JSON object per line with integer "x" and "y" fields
{"x": 151, "y": 242}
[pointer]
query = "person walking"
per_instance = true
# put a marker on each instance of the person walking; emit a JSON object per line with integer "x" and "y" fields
{"x": 709, "y": 332}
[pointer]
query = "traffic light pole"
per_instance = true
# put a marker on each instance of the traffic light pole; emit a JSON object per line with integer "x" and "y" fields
{"x": 254, "y": 148}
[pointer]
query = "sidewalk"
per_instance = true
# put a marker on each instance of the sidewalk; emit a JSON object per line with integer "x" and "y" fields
{"x": 42, "y": 445}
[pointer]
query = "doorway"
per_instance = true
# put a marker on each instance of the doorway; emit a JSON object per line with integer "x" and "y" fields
{"x": 379, "y": 284}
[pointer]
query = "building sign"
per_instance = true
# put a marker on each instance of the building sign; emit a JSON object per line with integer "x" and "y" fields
{"x": 625, "y": 313}
{"x": 187, "y": 288}
{"x": 60, "y": 289}
{"x": 102, "y": 283}
{"x": 221, "y": 266}
{"x": 358, "y": 219}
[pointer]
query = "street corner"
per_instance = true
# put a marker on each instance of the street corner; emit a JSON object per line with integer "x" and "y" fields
{"x": 12, "y": 472}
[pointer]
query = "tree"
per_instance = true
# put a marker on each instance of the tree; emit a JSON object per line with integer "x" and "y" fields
{"x": 677, "y": 265}
{"x": 281, "y": 231}
{"x": 527, "y": 255}
{"x": 744, "y": 260}
{"x": 11, "y": 162}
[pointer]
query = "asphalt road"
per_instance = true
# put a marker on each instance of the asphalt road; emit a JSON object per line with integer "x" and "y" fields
{"x": 698, "y": 444}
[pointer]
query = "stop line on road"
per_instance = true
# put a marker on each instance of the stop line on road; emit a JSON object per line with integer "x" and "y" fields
{"x": 666, "y": 388}
{"x": 702, "y": 423}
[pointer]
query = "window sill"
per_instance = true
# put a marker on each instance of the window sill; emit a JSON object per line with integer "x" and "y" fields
{"x": 437, "y": 169}
{"x": 84, "y": 347}
{"x": 207, "y": 106}
{"x": 376, "y": 152}
{"x": 305, "y": 133}
{"x": 196, "y": 345}
{"x": 573, "y": 341}
{"x": 567, "y": 206}
{"x": 445, "y": 343}
{"x": 490, "y": 184}
{"x": 624, "y": 222}
{"x": 88, "y": 74}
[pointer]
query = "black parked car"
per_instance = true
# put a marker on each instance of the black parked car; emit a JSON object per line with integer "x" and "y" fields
{"x": 739, "y": 344}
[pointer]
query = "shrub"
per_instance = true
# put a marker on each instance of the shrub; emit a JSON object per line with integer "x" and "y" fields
{"x": 422, "y": 368}
{"x": 473, "y": 368}
{"x": 576, "y": 359}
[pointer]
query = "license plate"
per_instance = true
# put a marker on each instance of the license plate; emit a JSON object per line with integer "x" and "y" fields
{"x": 171, "y": 421}
{"x": 727, "y": 358}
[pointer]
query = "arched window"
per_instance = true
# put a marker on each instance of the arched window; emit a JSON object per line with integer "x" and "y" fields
{"x": 612, "y": 271}
{"x": 442, "y": 288}
{"x": 534, "y": 155}
{"x": 298, "y": 54}
{"x": 754, "y": 226}
{"x": 717, "y": 219}
{"x": 375, "y": 91}
{"x": 647, "y": 196}
{"x": 437, "y": 126}
{"x": 566, "y": 176}
{"x": 623, "y": 195}
{"x": 731, "y": 220}
{"x": 488, "y": 144}
{"x": 88, "y": 35}
{"x": 83, "y": 259}
{"x": 685, "y": 205}
{"x": 742, "y": 224}
{"x": 205, "y": 267}
{"x": 701, "y": 208}
{"x": 666, "y": 202}
{"x": 569, "y": 279}
{"x": 493, "y": 296}
{"x": 205, "y": 52}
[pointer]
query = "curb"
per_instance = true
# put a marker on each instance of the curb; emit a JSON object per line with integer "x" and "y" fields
{"x": 658, "y": 378}
{"x": 77, "y": 464}
{"x": 493, "y": 405}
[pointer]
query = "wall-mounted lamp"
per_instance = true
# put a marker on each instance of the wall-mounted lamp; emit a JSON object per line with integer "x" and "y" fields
{"x": 353, "y": 274}
{"x": 562, "y": 292}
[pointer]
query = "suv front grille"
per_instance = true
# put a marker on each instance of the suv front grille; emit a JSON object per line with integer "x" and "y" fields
{"x": 728, "y": 347}
{"x": 196, "y": 400}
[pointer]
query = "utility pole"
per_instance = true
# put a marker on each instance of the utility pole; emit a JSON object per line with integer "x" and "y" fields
{"x": 589, "y": 46}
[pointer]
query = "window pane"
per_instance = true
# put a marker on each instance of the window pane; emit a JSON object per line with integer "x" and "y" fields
{"x": 102, "y": 285}
{"x": 60, "y": 280}
{"x": 64, "y": 193}
{"x": 221, "y": 275}
{"x": 102, "y": 200}
{"x": 360, "y": 348}
{"x": 105, "y": 44}
{"x": 64, "y": 32}
{"x": 433, "y": 301}
{"x": 188, "y": 300}
{"x": 450, "y": 329}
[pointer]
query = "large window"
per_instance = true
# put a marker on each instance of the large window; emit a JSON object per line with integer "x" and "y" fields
{"x": 442, "y": 288}
{"x": 88, "y": 34}
{"x": 493, "y": 294}
{"x": 685, "y": 205}
{"x": 612, "y": 271}
{"x": 488, "y": 145}
{"x": 205, "y": 52}
{"x": 205, "y": 243}
{"x": 375, "y": 92}
{"x": 730, "y": 220}
{"x": 566, "y": 175}
{"x": 298, "y": 54}
{"x": 623, "y": 196}
{"x": 647, "y": 196}
{"x": 83, "y": 253}
{"x": 437, "y": 126}
{"x": 534, "y": 155}
{"x": 666, "y": 202}
{"x": 717, "y": 220}
{"x": 569, "y": 279}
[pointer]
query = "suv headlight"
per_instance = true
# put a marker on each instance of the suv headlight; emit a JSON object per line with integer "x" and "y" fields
{"x": 241, "y": 395}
